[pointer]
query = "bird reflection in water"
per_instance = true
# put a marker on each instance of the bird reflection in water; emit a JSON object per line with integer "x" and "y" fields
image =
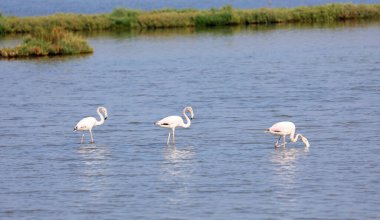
{"x": 177, "y": 172}
{"x": 94, "y": 173}
{"x": 93, "y": 154}
{"x": 286, "y": 156}
{"x": 286, "y": 174}
{"x": 286, "y": 166}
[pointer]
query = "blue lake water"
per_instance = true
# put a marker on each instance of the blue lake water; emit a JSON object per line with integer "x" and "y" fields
{"x": 43, "y": 7}
{"x": 239, "y": 82}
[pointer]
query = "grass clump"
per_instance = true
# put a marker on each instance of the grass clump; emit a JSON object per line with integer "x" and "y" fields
{"x": 48, "y": 43}
{"x": 166, "y": 19}
{"x": 313, "y": 14}
{"x": 217, "y": 17}
{"x": 72, "y": 22}
{"x": 2, "y": 29}
{"x": 123, "y": 18}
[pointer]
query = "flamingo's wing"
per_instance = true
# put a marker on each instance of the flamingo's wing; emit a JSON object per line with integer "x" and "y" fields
{"x": 85, "y": 124}
{"x": 284, "y": 127}
{"x": 170, "y": 122}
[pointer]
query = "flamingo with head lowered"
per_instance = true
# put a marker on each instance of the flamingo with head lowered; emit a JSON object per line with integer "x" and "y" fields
{"x": 285, "y": 128}
{"x": 172, "y": 122}
{"x": 89, "y": 122}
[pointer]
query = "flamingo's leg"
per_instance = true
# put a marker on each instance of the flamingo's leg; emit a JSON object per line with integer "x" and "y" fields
{"x": 167, "y": 142}
{"x": 284, "y": 141}
{"x": 276, "y": 144}
{"x": 173, "y": 130}
{"x": 81, "y": 141}
{"x": 92, "y": 139}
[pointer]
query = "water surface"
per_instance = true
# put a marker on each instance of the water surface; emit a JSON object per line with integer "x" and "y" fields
{"x": 239, "y": 81}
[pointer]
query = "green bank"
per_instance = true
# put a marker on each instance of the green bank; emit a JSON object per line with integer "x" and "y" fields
{"x": 124, "y": 19}
{"x": 53, "y": 34}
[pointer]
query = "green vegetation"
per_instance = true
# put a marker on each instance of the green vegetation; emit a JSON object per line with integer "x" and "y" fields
{"x": 72, "y": 22}
{"x": 315, "y": 14}
{"x": 46, "y": 43}
{"x": 214, "y": 17}
{"x": 125, "y": 19}
{"x": 2, "y": 30}
{"x": 49, "y": 36}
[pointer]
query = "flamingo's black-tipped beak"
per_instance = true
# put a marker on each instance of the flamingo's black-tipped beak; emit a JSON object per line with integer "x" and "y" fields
{"x": 191, "y": 118}
{"x": 105, "y": 118}
{"x": 266, "y": 131}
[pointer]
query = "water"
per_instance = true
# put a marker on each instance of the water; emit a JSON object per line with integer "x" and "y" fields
{"x": 43, "y": 7}
{"x": 239, "y": 82}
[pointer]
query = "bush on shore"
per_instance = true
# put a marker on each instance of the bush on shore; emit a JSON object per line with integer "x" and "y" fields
{"x": 72, "y": 22}
{"x": 2, "y": 30}
{"x": 123, "y": 18}
{"x": 47, "y": 43}
{"x": 314, "y": 14}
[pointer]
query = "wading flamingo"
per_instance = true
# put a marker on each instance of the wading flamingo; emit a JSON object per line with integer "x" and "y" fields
{"x": 286, "y": 128}
{"x": 89, "y": 122}
{"x": 173, "y": 121}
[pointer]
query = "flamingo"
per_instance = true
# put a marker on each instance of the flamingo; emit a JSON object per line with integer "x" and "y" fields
{"x": 286, "y": 128}
{"x": 173, "y": 121}
{"x": 89, "y": 122}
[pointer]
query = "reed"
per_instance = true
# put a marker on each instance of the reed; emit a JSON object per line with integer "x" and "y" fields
{"x": 125, "y": 19}
{"x": 72, "y": 22}
{"x": 315, "y": 14}
{"x": 218, "y": 17}
{"x": 2, "y": 30}
{"x": 48, "y": 43}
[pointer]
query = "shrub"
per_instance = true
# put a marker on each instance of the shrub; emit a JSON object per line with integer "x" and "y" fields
{"x": 48, "y": 42}
{"x": 70, "y": 22}
{"x": 2, "y": 30}
{"x": 165, "y": 20}
{"x": 217, "y": 17}
{"x": 123, "y": 18}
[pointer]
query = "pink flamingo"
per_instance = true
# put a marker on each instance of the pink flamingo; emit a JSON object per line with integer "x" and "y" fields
{"x": 172, "y": 122}
{"x": 89, "y": 122}
{"x": 286, "y": 128}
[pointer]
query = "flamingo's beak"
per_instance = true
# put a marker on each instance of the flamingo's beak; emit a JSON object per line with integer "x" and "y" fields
{"x": 191, "y": 118}
{"x": 105, "y": 118}
{"x": 266, "y": 131}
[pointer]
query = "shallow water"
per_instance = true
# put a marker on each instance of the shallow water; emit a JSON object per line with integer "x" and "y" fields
{"x": 44, "y": 7}
{"x": 239, "y": 81}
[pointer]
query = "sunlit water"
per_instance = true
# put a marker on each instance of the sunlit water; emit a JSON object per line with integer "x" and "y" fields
{"x": 44, "y": 7}
{"x": 239, "y": 81}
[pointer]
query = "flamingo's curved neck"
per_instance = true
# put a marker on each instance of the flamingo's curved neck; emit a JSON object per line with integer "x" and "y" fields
{"x": 292, "y": 138}
{"x": 101, "y": 118}
{"x": 188, "y": 121}
{"x": 303, "y": 138}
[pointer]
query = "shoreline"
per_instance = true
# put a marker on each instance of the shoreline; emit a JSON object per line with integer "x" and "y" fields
{"x": 53, "y": 35}
{"x": 128, "y": 19}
